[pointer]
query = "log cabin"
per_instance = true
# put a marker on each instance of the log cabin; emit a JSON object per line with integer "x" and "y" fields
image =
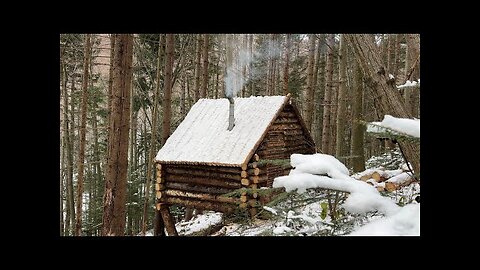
{"x": 208, "y": 156}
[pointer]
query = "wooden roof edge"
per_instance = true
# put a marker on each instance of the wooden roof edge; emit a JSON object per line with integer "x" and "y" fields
{"x": 249, "y": 156}
{"x": 217, "y": 164}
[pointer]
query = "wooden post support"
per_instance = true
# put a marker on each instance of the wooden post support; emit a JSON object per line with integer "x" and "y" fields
{"x": 159, "y": 227}
{"x": 168, "y": 219}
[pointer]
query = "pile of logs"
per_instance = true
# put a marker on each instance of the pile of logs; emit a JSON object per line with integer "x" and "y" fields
{"x": 386, "y": 180}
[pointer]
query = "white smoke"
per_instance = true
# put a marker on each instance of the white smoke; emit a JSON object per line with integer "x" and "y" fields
{"x": 235, "y": 79}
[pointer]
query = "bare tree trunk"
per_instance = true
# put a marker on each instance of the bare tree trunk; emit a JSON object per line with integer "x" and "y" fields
{"x": 205, "y": 66}
{"x": 327, "y": 107}
{"x": 358, "y": 129}
{"x": 287, "y": 62}
{"x": 117, "y": 164}
{"x": 228, "y": 57}
{"x": 189, "y": 96}
{"x": 390, "y": 101}
{"x": 342, "y": 103}
{"x": 131, "y": 163}
{"x": 310, "y": 93}
{"x": 333, "y": 115}
{"x": 63, "y": 80}
{"x": 153, "y": 145}
{"x": 278, "y": 89}
{"x": 391, "y": 54}
{"x": 167, "y": 102}
{"x": 110, "y": 72}
{"x": 182, "y": 97}
{"x": 197, "y": 67}
{"x": 320, "y": 91}
{"x": 70, "y": 215}
{"x": 412, "y": 94}
{"x": 397, "y": 56}
{"x": 97, "y": 176}
{"x": 252, "y": 85}
{"x": 216, "y": 82}
{"x": 81, "y": 153}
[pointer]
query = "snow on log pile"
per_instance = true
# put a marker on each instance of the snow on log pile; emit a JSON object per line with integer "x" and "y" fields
{"x": 386, "y": 180}
{"x": 325, "y": 171}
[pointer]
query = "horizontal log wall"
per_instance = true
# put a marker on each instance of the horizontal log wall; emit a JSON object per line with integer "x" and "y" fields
{"x": 284, "y": 138}
{"x": 199, "y": 187}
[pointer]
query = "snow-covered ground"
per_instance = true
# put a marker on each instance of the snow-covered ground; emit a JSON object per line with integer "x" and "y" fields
{"x": 362, "y": 210}
{"x": 199, "y": 223}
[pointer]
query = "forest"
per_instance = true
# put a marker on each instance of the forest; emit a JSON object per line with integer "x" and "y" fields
{"x": 122, "y": 96}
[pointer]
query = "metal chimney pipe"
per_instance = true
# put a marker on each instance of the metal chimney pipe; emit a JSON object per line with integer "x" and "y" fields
{"x": 231, "y": 119}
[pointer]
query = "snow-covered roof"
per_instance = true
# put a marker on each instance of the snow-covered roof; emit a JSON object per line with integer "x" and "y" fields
{"x": 203, "y": 138}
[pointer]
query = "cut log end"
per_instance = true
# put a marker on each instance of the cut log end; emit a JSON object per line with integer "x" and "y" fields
{"x": 390, "y": 187}
{"x": 245, "y": 182}
{"x": 256, "y": 157}
{"x": 160, "y": 179}
{"x": 244, "y": 174}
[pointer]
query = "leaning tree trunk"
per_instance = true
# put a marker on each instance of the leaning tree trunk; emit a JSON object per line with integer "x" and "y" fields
{"x": 383, "y": 88}
{"x": 81, "y": 152}
{"x": 341, "y": 110}
{"x": 310, "y": 85}
{"x": 119, "y": 125}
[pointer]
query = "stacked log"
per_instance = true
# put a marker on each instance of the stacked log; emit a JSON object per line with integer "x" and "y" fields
{"x": 199, "y": 187}
{"x": 385, "y": 180}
